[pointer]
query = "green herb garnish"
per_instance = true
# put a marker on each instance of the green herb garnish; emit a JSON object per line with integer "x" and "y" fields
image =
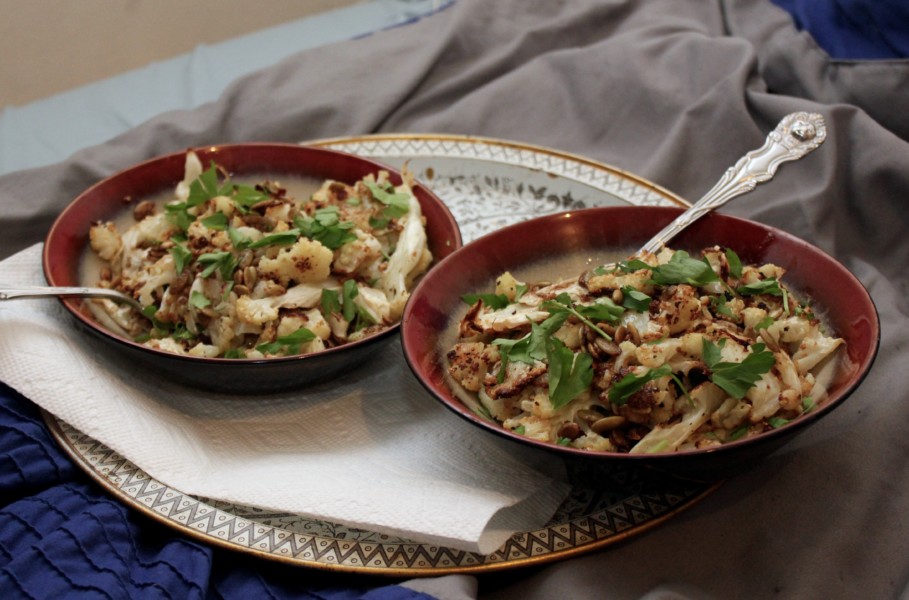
{"x": 736, "y": 378}
{"x": 777, "y": 422}
{"x": 180, "y": 332}
{"x": 199, "y": 300}
{"x": 182, "y": 256}
{"x": 237, "y": 239}
{"x": 493, "y": 301}
{"x": 326, "y": 227}
{"x": 764, "y": 323}
{"x": 734, "y": 262}
{"x": 283, "y": 238}
{"x": 217, "y": 221}
{"x": 205, "y": 187}
{"x": 531, "y": 347}
{"x": 349, "y": 291}
{"x": 681, "y": 268}
{"x": 635, "y": 300}
{"x": 737, "y": 433}
{"x": 288, "y": 344}
{"x": 246, "y": 196}
{"x": 330, "y": 302}
{"x": 808, "y": 404}
{"x": 603, "y": 310}
{"x": 633, "y": 265}
{"x": 378, "y": 224}
{"x": 396, "y": 205}
{"x": 177, "y": 214}
{"x": 765, "y": 286}
{"x": 353, "y": 312}
{"x": 721, "y": 307}
{"x": 224, "y": 261}
{"x": 569, "y": 373}
{"x": 630, "y": 384}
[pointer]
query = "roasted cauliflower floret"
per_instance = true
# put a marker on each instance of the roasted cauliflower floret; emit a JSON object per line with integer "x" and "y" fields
{"x": 311, "y": 319}
{"x": 307, "y": 261}
{"x": 105, "y": 240}
{"x": 469, "y": 363}
{"x": 158, "y": 277}
{"x": 259, "y": 311}
{"x": 358, "y": 254}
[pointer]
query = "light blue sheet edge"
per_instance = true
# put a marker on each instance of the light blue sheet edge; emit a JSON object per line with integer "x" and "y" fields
{"x": 51, "y": 129}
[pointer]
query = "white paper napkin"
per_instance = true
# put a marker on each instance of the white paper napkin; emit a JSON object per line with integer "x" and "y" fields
{"x": 372, "y": 450}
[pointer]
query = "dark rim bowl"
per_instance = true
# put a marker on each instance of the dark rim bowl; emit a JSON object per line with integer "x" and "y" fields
{"x": 67, "y": 240}
{"x": 436, "y": 305}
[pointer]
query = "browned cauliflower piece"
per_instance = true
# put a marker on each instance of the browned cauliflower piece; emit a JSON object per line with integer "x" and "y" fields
{"x": 307, "y": 261}
{"x": 105, "y": 240}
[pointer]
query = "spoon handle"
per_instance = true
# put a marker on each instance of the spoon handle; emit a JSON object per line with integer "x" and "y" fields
{"x": 12, "y": 293}
{"x": 796, "y": 135}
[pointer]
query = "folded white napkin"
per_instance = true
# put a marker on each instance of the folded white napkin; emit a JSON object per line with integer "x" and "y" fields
{"x": 372, "y": 450}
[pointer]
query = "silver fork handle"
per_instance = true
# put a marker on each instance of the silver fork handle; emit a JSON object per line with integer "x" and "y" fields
{"x": 796, "y": 135}
{"x": 12, "y": 293}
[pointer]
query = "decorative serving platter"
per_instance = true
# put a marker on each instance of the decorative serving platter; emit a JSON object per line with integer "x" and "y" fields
{"x": 487, "y": 184}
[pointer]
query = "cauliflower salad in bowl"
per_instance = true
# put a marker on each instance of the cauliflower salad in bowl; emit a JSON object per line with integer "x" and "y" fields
{"x": 660, "y": 353}
{"x": 233, "y": 269}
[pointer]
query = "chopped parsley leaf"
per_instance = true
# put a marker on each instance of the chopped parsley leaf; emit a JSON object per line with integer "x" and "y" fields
{"x": 326, "y": 227}
{"x": 681, "y": 268}
{"x": 630, "y": 384}
{"x": 493, "y": 301}
{"x": 182, "y": 256}
{"x": 283, "y": 238}
{"x": 199, "y": 300}
{"x": 396, "y": 205}
{"x": 635, "y": 300}
{"x": 734, "y": 262}
{"x": 737, "y": 378}
{"x": 288, "y": 344}
{"x": 217, "y": 221}
{"x": 569, "y": 373}
{"x": 224, "y": 261}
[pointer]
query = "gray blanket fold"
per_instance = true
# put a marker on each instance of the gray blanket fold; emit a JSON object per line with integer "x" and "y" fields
{"x": 674, "y": 91}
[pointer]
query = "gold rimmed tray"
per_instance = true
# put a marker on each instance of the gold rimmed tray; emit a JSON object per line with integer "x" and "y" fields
{"x": 487, "y": 184}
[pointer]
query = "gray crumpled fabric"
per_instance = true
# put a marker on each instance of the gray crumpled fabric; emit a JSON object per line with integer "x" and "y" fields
{"x": 674, "y": 91}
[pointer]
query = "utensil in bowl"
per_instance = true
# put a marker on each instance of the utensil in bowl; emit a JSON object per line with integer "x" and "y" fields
{"x": 41, "y": 291}
{"x": 593, "y": 235}
{"x": 67, "y": 241}
{"x": 797, "y": 135}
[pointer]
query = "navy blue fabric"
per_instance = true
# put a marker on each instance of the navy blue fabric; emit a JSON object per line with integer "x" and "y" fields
{"x": 854, "y": 29}
{"x": 63, "y": 536}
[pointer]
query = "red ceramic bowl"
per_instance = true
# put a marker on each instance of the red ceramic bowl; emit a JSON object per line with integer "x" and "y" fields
{"x": 435, "y": 305}
{"x": 68, "y": 240}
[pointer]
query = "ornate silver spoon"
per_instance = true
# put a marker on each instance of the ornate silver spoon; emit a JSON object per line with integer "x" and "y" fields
{"x": 797, "y": 134}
